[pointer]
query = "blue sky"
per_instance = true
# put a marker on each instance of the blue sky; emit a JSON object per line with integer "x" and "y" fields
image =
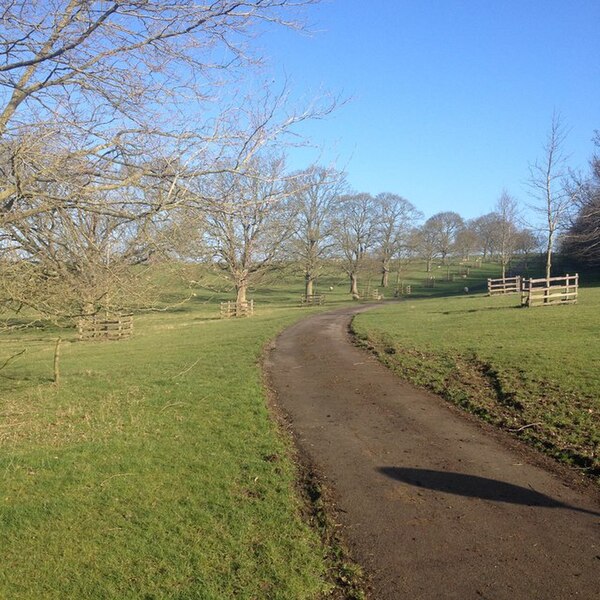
{"x": 449, "y": 100}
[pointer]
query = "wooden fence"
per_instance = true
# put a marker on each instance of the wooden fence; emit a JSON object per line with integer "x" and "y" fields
{"x": 403, "y": 290}
{"x": 547, "y": 292}
{"x": 106, "y": 327}
{"x": 312, "y": 299}
{"x": 231, "y": 309}
{"x": 429, "y": 282}
{"x": 508, "y": 285}
{"x": 372, "y": 295}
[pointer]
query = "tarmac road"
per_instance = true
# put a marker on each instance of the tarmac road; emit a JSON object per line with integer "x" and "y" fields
{"x": 434, "y": 504}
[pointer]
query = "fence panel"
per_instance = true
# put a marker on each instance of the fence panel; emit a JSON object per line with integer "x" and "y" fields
{"x": 403, "y": 290}
{"x": 312, "y": 299}
{"x": 508, "y": 285}
{"x": 231, "y": 309}
{"x": 107, "y": 327}
{"x": 552, "y": 291}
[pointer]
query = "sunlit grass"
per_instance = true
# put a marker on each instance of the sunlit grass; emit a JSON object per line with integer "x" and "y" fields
{"x": 153, "y": 470}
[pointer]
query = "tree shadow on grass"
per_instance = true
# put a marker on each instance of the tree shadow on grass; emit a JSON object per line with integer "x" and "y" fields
{"x": 473, "y": 486}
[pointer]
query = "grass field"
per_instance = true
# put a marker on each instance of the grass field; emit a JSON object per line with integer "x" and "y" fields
{"x": 534, "y": 371}
{"x": 154, "y": 470}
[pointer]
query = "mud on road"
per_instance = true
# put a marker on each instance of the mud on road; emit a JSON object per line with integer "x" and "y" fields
{"x": 434, "y": 505}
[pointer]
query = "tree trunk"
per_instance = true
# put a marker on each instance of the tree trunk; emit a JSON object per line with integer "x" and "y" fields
{"x": 241, "y": 289}
{"x": 549, "y": 256}
{"x": 384, "y": 276}
{"x": 429, "y": 265}
{"x": 308, "y": 285}
{"x": 354, "y": 285}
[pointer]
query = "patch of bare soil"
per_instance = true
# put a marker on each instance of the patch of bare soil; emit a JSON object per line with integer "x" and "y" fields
{"x": 433, "y": 503}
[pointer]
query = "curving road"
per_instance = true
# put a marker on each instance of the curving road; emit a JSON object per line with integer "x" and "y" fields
{"x": 434, "y": 505}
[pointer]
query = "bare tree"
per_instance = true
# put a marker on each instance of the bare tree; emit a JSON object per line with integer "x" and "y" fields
{"x": 582, "y": 241}
{"x": 425, "y": 241}
{"x": 71, "y": 263}
{"x": 116, "y": 82}
{"x": 548, "y": 187}
{"x": 485, "y": 228}
{"x": 395, "y": 216}
{"x": 109, "y": 111}
{"x": 506, "y": 229}
{"x": 467, "y": 240}
{"x": 316, "y": 197}
{"x": 356, "y": 234}
{"x": 75, "y": 258}
{"x": 247, "y": 218}
{"x": 527, "y": 242}
{"x": 446, "y": 226}
{"x": 94, "y": 61}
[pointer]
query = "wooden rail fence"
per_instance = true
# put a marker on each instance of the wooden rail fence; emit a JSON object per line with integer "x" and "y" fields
{"x": 547, "y": 292}
{"x": 106, "y": 327}
{"x": 372, "y": 294}
{"x": 231, "y": 309}
{"x": 508, "y": 285}
{"x": 312, "y": 299}
{"x": 403, "y": 290}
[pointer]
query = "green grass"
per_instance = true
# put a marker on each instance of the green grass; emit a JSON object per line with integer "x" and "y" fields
{"x": 154, "y": 470}
{"x": 512, "y": 366}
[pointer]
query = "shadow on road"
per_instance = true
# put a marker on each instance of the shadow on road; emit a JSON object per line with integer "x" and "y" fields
{"x": 476, "y": 487}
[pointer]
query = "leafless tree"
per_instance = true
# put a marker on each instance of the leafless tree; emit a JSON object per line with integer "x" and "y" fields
{"x": 467, "y": 240}
{"x": 247, "y": 218}
{"x": 425, "y": 241}
{"x": 115, "y": 82}
{"x": 108, "y": 112}
{"x": 72, "y": 251}
{"x": 446, "y": 226}
{"x": 395, "y": 217}
{"x": 527, "y": 243}
{"x": 582, "y": 241}
{"x": 506, "y": 229}
{"x": 485, "y": 228}
{"x": 552, "y": 199}
{"x": 356, "y": 234}
{"x": 316, "y": 197}
{"x": 71, "y": 263}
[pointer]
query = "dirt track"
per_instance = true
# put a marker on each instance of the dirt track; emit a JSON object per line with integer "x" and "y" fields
{"x": 433, "y": 504}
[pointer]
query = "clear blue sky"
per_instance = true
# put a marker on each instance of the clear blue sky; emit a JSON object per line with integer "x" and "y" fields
{"x": 449, "y": 100}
